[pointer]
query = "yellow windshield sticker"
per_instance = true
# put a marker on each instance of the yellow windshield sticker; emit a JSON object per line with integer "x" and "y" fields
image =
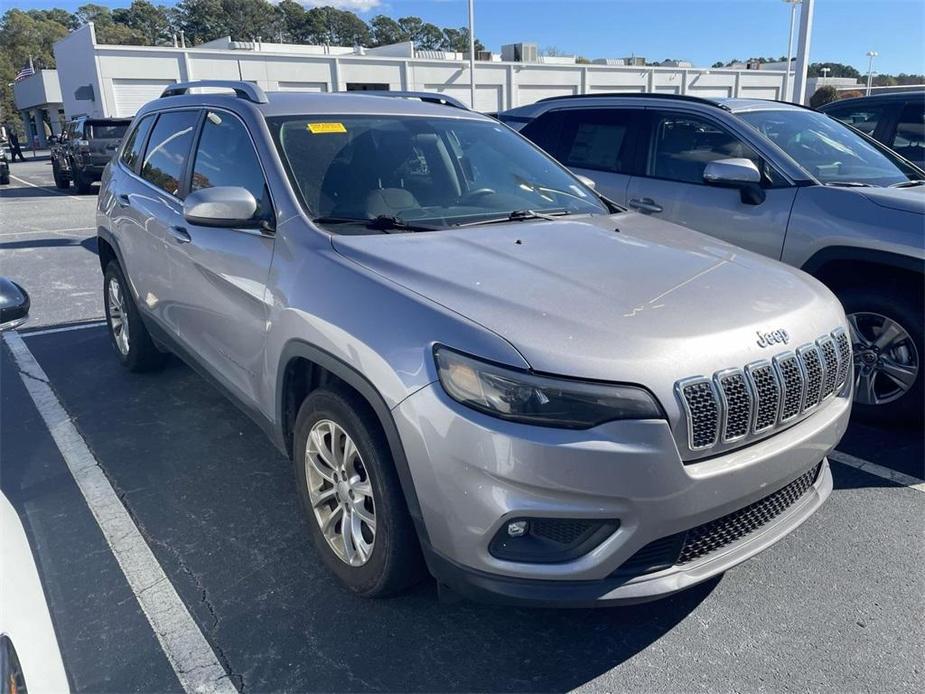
{"x": 321, "y": 128}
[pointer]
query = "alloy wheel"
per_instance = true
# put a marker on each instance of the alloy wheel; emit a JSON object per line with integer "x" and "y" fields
{"x": 340, "y": 492}
{"x": 886, "y": 362}
{"x": 118, "y": 318}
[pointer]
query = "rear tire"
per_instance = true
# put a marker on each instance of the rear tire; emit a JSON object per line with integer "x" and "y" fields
{"x": 5, "y": 179}
{"x": 130, "y": 339}
{"x": 62, "y": 182}
{"x": 386, "y": 557}
{"x": 873, "y": 314}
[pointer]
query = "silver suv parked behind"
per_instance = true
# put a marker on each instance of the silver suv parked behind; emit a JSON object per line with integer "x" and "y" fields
{"x": 469, "y": 355}
{"x": 780, "y": 180}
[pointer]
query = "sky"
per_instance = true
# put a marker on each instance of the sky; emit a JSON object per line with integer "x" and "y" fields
{"x": 702, "y": 31}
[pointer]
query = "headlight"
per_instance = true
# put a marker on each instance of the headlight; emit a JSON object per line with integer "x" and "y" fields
{"x": 521, "y": 396}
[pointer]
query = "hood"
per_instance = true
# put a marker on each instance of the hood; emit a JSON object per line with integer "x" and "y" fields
{"x": 581, "y": 299}
{"x": 904, "y": 199}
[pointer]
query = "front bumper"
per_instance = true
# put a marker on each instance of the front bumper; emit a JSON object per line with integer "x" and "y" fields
{"x": 474, "y": 473}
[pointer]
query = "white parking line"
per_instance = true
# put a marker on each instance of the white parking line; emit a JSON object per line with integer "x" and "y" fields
{"x": 64, "y": 329}
{"x": 49, "y": 188}
{"x": 878, "y": 470}
{"x": 188, "y": 651}
{"x": 31, "y": 232}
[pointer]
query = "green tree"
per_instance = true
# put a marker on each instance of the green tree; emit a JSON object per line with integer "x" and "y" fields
{"x": 835, "y": 70}
{"x": 151, "y": 22}
{"x": 291, "y": 21}
{"x": 200, "y": 20}
{"x": 385, "y": 30}
{"x": 824, "y": 95}
{"x": 328, "y": 25}
{"x": 458, "y": 40}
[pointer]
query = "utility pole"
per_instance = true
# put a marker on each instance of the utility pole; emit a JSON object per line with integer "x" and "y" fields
{"x": 793, "y": 13}
{"x": 870, "y": 68}
{"x": 803, "y": 44}
{"x": 472, "y": 54}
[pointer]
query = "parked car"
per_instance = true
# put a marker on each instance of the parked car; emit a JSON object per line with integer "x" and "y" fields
{"x": 84, "y": 149}
{"x": 777, "y": 179}
{"x": 897, "y": 120}
{"x": 468, "y": 354}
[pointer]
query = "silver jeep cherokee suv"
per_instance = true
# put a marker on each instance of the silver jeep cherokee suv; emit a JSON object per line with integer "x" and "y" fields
{"x": 475, "y": 363}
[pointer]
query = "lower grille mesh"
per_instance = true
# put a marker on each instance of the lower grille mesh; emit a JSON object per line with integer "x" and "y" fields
{"x": 705, "y": 539}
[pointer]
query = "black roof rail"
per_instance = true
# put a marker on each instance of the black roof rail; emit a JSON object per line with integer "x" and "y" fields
{"x": 644, "y": 95}
{"x": 243, "y": 90}
{"x": 428, "y": 97}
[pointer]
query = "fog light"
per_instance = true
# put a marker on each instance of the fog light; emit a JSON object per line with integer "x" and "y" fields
{"x": 517, "y": 528}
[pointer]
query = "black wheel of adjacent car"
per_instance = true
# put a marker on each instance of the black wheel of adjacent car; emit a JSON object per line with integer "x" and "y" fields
{"x": 62, "y": 182}
{"x": 129, "y": 335}
{"x": 351, "y": 494}
{"x": 4, "y": 179}
{"x": 887, "y": 337}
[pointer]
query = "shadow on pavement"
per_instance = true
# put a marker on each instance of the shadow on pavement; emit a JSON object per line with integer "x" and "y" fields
{"x": 218, "y": 506}
{"x": 88, "y": 243}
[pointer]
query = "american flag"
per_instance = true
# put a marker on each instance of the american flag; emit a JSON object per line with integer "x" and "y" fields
{"x": 25, "y": 72}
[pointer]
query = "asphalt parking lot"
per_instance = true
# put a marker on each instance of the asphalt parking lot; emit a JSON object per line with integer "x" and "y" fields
{"x": 836, "y": 606}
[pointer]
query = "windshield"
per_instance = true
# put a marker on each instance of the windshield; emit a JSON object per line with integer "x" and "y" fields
{"x": 829, "y": 150}
{"x": 434, "y": 172}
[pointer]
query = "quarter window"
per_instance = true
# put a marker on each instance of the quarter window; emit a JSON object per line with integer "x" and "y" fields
{"x": 131, "y": 153}
{"x": 682, "y": 146}
{"x": 909, "y": 140}
{"x": 168, "y": 149}
{"x": 226, "y": 157}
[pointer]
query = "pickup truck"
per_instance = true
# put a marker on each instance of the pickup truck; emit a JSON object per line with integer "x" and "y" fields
{"x": 84, "y": 149}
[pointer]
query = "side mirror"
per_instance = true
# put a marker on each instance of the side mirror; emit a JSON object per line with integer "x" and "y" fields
{"x": 14, "y": 304}
{"x": 590, "y": 182}
{"x": 223, "y": 206}
{"x": 738, "y": 173}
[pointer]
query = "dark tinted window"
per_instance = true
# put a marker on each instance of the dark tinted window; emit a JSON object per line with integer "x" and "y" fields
{"x": 226, "y": 157}
{"x": 595, "y": 139}
{"x": 682, "y": 146}
{"x": 909, "y": 140}
{"x": 131, "y": 153}
{"x": 864, "y": 118}
{"x": 106, "y": 131}
{"x": 168, "y": 148}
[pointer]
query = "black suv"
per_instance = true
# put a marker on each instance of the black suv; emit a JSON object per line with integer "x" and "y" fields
{"x": 897, "y": 120}
{"x": 84, "y": 150}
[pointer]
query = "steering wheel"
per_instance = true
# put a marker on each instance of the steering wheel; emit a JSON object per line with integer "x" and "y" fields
{"x": 477, "y": 193}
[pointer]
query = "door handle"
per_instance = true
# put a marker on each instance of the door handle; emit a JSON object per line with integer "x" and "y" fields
{"x": 122, "y": 199}
{"x": 645, "y": 205}
{"x": 180, "y": 234}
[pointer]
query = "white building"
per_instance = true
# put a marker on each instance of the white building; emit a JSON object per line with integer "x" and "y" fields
{"x": 104, "y": 80}
{"x": 38, "y": 100}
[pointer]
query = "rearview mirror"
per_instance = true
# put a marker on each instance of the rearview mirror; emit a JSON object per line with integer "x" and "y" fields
{"x": 590, "y": 182}
{"x": 14, "y": 304}
{"x": 738, "y": 173}
{"x": 222, "y": 206}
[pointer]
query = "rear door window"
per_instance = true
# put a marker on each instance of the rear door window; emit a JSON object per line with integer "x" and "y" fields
{"x": 864, "y": 118}
{"x": 168, "y": 150}
{"x": 106, "y": 131}
{"x": 596, "y": 139}
{"x": 131, "y": 153}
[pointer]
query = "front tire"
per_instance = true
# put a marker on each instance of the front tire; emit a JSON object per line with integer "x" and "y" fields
{"x": 887, "y": 338}
{"x": 62, "y": 182}
{"x": 351, "y": 495}
{"x": 134, "y": 347}
{"x": 84, "y": 184}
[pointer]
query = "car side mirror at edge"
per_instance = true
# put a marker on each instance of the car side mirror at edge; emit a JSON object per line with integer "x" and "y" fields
{"x": 222, "y": 206}
{"x": 737, "y": 173}
{"x": 14, "y": 304}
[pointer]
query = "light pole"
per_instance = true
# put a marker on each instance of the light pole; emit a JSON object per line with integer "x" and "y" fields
{"x": 825, "y": 74}
{"x": 870, "y": 68}
{"x": 472, "y": 54}
{"x": 793, "y": 12}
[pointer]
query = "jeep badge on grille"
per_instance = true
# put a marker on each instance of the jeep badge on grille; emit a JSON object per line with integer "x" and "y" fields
{"x": 774, "y": 337}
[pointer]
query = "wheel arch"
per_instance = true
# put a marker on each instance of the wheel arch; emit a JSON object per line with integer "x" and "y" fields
{"x": 304, "y": 367}
{"x": 838, "y": 266}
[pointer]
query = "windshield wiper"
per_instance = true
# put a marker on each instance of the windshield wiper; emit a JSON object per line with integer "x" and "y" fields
{"x": 909, "y": 184}
{"x": 517, "y": 216}
{"x": 383, "y": 222}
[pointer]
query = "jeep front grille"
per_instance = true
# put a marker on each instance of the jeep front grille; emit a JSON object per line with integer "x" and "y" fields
{"x": 765, "y": 395}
